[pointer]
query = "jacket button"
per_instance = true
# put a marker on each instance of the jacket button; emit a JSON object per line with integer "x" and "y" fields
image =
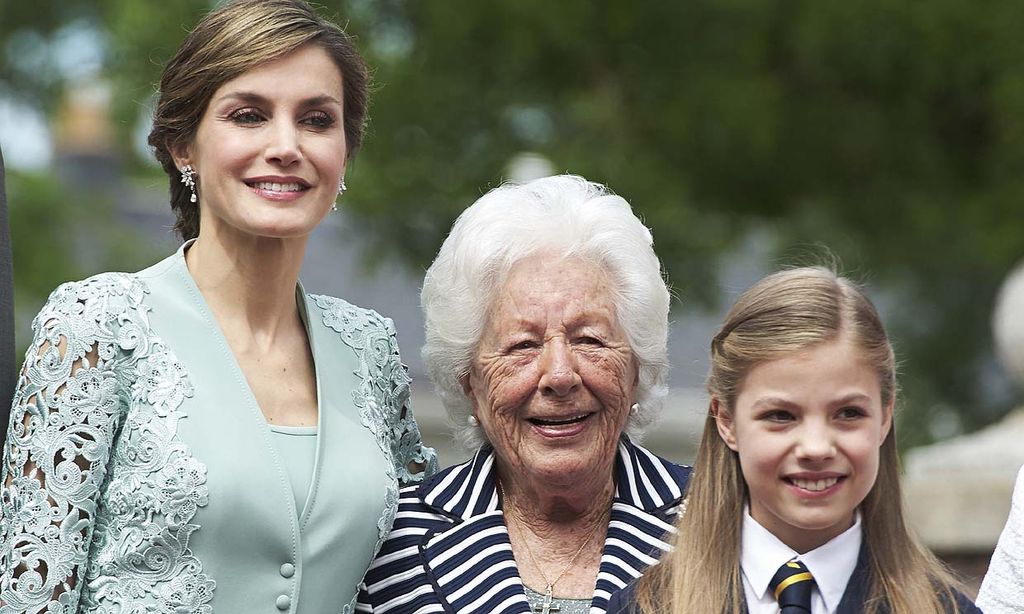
{"x": 287, "y": 570}
{"x": 283, "y": 602}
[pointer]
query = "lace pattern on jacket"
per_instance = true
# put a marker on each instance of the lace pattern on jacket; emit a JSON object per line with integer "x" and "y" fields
{"x": 96, "y": 412}
{"x": 382, "y": 398}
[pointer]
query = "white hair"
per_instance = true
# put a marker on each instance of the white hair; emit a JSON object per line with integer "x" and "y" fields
{"x": 574, "y": 218}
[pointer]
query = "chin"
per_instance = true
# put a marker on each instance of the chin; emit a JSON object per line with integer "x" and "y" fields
{"x": 563, "y": 471}
{"x": 284, "y": 231}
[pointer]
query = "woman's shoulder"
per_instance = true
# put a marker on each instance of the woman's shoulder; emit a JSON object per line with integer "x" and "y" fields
{"x": 964, "y": 605}
{"x": 345, "y": 318}
{"x": 640, "y": 468}
{"x": 111, "y": 291}
{"x": 101, "y": 297}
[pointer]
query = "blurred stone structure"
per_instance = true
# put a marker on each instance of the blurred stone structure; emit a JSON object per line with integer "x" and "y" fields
{"x": 959, "y": 490}
{"x": 86, "y": 155}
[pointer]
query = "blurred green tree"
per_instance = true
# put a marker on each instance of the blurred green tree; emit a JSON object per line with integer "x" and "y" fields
{"x": 890, "y": 131}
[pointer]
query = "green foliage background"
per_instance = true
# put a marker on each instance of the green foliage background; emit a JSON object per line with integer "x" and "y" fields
{"x": 890, "y": 131}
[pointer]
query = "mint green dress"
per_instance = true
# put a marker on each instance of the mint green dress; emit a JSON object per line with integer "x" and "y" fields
{"x": 140, "y": 475}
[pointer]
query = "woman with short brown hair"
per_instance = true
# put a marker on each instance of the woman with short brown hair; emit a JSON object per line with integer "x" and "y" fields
{"x": 204, "y": 435}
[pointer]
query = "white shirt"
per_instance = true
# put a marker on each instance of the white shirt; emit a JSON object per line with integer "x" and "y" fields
{"x": 1002, "y": 591}
{"x": 761, "y": 555}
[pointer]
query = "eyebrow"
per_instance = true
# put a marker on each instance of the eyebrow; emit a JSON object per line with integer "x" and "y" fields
{"x": 254, "y": 98}
{"x": 776, "y": 401}
{"x": 853, "y": 396}
{"x": 772, "y": 401}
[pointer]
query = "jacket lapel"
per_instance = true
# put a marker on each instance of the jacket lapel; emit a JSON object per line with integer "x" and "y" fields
{"x": 470, "y": 562}
{"x": 856, "y": 592}
{"x": 648, "y": 491}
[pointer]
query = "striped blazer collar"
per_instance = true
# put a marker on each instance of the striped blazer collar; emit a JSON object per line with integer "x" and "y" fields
{"x": 470, "y": 562}
{"x": 642, "y": 480}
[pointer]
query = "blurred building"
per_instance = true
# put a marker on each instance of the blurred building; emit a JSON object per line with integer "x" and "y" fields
{"x": 959, "y": 490}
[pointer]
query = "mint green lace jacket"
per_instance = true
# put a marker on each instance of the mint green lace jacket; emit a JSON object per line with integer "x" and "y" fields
{"x": 139, "y": 475}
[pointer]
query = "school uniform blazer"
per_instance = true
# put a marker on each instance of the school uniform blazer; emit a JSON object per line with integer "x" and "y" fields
{"x": 449, "y": 549}
{"x": 624, "y": 602}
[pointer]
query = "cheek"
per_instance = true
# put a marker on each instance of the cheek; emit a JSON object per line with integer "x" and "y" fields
{"x": 864, "y": 452}
{"x": 610, "y": 375}
{"x": 330, "y": 158}
{"x": 759, "y": 454}
{"x": 505, "y": 385}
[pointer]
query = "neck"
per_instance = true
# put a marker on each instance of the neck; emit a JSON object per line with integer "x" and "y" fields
{"x": 249, "y": 283}
{"x": 557, "y": 539}
{"x": 561, "y": 516}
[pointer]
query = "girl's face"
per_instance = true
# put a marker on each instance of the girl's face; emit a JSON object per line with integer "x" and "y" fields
{"x": 807, "y": 428}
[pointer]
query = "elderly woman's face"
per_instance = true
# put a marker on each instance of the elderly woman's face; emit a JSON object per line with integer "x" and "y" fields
{"x": 554, "y": 377}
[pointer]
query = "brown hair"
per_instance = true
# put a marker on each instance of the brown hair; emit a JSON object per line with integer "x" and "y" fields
{"x": 785, "y": 312}
{"x": 226, "y": 43}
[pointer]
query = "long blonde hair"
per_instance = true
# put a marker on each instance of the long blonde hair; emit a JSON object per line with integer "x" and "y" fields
{"x": 789, "y": 311}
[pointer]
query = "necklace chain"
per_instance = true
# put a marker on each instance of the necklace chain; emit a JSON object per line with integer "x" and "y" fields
{"x": 550, "y": 584}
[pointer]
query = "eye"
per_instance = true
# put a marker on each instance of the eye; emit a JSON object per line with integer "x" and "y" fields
{"x": 247, "y": 116}
{"x": 850, "y": 413}
{"x": 525, "y": 344}
{"x": 777, "y": 416}
{"x": 588, "y": 340}
{"x": 319, "y": 120}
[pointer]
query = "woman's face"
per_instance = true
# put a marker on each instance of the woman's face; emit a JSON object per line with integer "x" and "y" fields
{"x": 554, "y": 377}
{"x": 807, "y": 428}
{"x": 270, "y": 148}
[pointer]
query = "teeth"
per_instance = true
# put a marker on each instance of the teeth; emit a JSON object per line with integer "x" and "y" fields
{"x": 814, "y": 485}
{"x": 277, "y": 187}
{"x": 557, "y": 422}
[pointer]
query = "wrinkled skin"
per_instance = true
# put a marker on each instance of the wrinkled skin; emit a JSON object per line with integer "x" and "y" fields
{"x": 552, "y": 351}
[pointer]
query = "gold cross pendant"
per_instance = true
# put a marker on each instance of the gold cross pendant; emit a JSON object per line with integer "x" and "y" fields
{"x": 547, "y": 607}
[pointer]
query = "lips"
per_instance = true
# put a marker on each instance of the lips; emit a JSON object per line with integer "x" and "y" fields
{"x": 560, "y": 421}
{"x": 814, "y": 485}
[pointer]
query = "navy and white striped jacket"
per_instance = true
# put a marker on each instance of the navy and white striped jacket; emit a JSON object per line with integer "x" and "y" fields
{"x": 449, "y": 549}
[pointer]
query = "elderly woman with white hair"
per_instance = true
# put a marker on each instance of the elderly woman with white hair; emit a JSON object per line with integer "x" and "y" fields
{"x": 546, "y": 325}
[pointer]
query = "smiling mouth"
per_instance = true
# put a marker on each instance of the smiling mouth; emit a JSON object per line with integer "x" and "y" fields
{"x": 560, "y": 422}
{"x": 815, "y": 485}
{"x": 276, "y": 187}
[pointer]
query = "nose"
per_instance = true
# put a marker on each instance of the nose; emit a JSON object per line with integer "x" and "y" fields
{"x": 816, "y": 441}
{"x": 283, "y": 144}
{"x": 559, "y": 374}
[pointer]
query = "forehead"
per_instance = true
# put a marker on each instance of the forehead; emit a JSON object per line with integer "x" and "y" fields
{"x": 549, "y": 282}
{"x": 826, "y": 369}
{"x": 305, "y": 71}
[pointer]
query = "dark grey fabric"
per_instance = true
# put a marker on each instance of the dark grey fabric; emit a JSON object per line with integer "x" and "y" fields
{"x": 7, "y": 366}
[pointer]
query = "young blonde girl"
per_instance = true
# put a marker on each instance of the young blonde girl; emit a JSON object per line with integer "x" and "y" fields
{"x": 804, "y": 314}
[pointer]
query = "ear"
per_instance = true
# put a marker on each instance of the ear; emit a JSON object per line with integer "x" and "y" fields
{"x": 725, "y": 424}
{"x": 467, "y": 381}
{"x": 181, "y": 154}
{"x": 887, "y": 417}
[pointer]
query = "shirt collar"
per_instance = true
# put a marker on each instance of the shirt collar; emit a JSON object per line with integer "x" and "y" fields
{"x": 832, "y": 564}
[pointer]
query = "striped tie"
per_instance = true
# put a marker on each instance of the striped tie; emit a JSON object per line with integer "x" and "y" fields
{"x": 792, "y": 586}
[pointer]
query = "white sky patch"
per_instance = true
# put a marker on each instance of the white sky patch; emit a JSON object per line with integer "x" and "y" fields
{"x": 24, "y": 136}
